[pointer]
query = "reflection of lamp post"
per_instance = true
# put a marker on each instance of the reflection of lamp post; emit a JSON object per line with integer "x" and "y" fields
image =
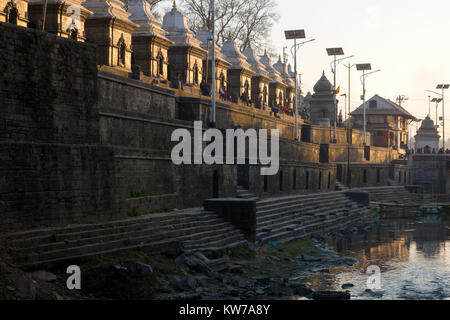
{"x": 335, "y": 52}
{"x": 365, "y": 67}
{"x": 296, "y": 34}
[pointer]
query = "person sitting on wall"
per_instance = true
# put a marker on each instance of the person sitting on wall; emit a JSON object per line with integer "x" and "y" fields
{"x": 179, "y": 81}
{"x": 205, "y": 89}
{"x": 222, "y": 93}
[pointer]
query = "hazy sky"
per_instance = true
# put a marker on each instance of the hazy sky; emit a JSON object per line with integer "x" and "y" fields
{"x": 408, "y": 39}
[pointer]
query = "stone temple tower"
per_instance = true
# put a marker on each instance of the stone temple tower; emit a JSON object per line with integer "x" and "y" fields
{"x": 322, "y": 111}
{"x": 110, "y": 29}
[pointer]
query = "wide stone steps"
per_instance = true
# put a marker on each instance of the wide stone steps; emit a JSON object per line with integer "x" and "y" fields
{"x": 294, "y": 217}
{"x": 299, "y": 218}
{"x": 196, "y": 215}
{"x": 282, "y": 235}
{"x": 220, "y": 242}
{"x": 156, "y": 233}
{"x": 103, "y": 234}
{"x": 315, "y": 207}
{"x": 310, "y": 198}
{"x": 52, "y": 246}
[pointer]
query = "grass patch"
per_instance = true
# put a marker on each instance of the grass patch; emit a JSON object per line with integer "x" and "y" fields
{"x": 134, "y": 213}
{"x": 240, "y": 253}
{"x": 296, "y": 248}
{"x": 102, "y": 280}
{"x": 140, "y": 194}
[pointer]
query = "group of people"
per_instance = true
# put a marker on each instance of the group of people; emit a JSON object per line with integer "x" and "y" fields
{"x": 430, "y": 151}
{"x": 205, "y": 88}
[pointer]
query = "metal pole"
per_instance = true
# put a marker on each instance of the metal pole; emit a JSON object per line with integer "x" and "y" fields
{"x": 296, "y": 89}
{"x": 443, "y": 120}
{"x": 437, "y": 116}
{"x": 429, "y": 106}
{"x": 349, "y": 124}
{"x": 44, "y": 13}
{"x": 335, "y": 104}
{"x": 364, "y": 97}
{"x": 213, "y": 66}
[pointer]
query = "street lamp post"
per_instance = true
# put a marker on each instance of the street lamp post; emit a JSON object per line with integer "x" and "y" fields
{"x": 443, "y": 87}
{"x": 437, "y": 100}
{"x": 294, "y": 35}
{"x": 365, "y": 67}
{"x": 349, "y": 66}
{"x": 336, "y": 52}
{"x": 213, "y": 65}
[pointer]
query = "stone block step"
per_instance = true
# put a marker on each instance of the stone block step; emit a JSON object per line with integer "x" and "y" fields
{"x": 199, "y": 215}
{"x": 186, "y": 230}
{"x": 160, "y": 246}
{"x": 95, "y": 234}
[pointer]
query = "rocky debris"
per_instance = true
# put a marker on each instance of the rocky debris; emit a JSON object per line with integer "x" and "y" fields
{"x": 26, "y": 288}
{"x": 331, "y": 295}
{"x": 262, "y": 279}
{"x": 236, "y": 269}
{"x": 44, "y": 275}
{"x": 140, "y": 269}
{"x": 347, "y": 286}
{"x": 184, "y": 284}
{"x": 195, "y": 264}
{"x": 307, "y": 258}
{"x": 374, "y": 294}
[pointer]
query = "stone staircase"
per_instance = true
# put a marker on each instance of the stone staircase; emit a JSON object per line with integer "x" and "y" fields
{"x": 290, "y": 218}
{"x": 243, "y": 193}
{"x": 340, "y": 186}
{"x": 393, "y": 195}
{"x": 194, "y": 229}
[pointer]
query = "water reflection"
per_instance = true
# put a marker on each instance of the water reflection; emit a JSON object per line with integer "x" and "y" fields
{"x": 413, "y": 257}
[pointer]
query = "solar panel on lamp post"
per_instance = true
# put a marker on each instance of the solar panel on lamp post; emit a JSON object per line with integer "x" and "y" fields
{"x": 294, "y": 35}
{"x": 437, "y": 100}
{"x": 443, "y": 87}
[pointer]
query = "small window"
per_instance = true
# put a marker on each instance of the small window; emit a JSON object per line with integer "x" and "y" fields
{"x": 12, "y": 14}
{"x": 73, "y": 34}
{"x": 378, "y": 176}
{"x": 329, "y": 180}
{"x": 122, "y": 52}
{"x": 196, "y": 76}
{"x": 266, "y": 184}
{"x": 373, "y": 104}
{"x": 365, "y": 176}
{"x": 160, "y": 64}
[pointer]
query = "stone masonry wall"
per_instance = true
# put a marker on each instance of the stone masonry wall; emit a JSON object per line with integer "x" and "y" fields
{"x": 53, "y": 169}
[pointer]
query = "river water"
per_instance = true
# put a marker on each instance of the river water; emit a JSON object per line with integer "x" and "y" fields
{"x": 413, "y": 257}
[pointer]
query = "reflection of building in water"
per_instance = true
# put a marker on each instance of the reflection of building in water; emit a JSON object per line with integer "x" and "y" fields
{"x": 429, "y": 237}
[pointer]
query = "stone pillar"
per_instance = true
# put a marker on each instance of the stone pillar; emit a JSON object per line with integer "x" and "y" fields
{"x": 110, "y": 29}
{"x": 66, "y": 18}
{"x": 149, "y": 41}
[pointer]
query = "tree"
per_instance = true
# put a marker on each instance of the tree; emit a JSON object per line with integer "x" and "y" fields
{"x": 249, "y": 22}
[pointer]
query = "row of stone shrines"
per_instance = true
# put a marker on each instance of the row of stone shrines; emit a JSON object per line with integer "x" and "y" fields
{"x": 168, "y": 51}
